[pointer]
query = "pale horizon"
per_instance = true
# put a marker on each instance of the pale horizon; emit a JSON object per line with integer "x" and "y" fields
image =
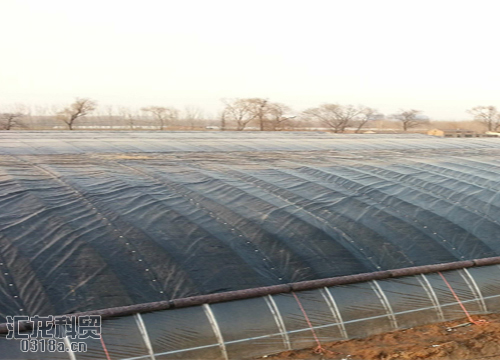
{"x": 438, "y": 57}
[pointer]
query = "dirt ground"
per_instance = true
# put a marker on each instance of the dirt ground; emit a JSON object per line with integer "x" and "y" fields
{"x": 424, "y": 342}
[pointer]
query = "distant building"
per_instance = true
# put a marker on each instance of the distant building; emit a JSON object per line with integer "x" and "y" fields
{"x": 492, "y": 134}
{"x": 452, "y": 133}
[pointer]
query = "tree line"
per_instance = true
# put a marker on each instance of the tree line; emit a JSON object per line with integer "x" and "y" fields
{"x": 251, "y": 113}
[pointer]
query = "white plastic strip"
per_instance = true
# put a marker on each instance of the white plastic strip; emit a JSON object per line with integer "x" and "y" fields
{"x": 432, "y": 295}
{"x": 279, "y": 320}
{"x": 144, "y": 334}
{"x": 480, "y": 296}
{"x": 304, "y": 329}
{"x": 332, "y": 304}
{"x": 216, "y": 329}
{"x": 385, "y": 303}
{"x": 470, "y": 286}
{"x": 70, "y": 352}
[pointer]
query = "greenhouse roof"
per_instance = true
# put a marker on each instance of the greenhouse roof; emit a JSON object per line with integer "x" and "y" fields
{"x": 93, "y": 220}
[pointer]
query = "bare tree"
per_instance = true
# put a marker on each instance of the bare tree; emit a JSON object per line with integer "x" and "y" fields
{"x": 278, "y": 117}
{"x": 223, "y": 119}
{"x": 241, "y": 111}
{"x": 336, "y": 116}
{"x": 368, "y": 114}
{"x": 81, "y": 107}
{"x": 127, "y": 116}
{"x": 192, "y": 115}
{"x": 409, "y": 118}
{"x": 10, "y": 120}
{"x": 486, "y": 115}
{"x": 164, "y": 115}
{"x": 267, "y": 115}
{"x": 260, "y": 108}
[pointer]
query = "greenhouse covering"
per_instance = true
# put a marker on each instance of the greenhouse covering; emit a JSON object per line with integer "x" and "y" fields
{"x": 99, "y": 220}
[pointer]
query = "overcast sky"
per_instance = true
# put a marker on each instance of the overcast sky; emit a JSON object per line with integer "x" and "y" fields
{"x": 438, "y": 56}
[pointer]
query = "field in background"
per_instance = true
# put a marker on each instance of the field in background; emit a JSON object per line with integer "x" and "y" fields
{"x": 144, "y": 123}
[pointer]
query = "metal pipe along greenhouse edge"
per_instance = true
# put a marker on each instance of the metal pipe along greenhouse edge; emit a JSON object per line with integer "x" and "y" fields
{"x": 276, "y": 289}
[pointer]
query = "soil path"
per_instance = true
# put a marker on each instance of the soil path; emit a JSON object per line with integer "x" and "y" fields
{"x": 435, "y": 341}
